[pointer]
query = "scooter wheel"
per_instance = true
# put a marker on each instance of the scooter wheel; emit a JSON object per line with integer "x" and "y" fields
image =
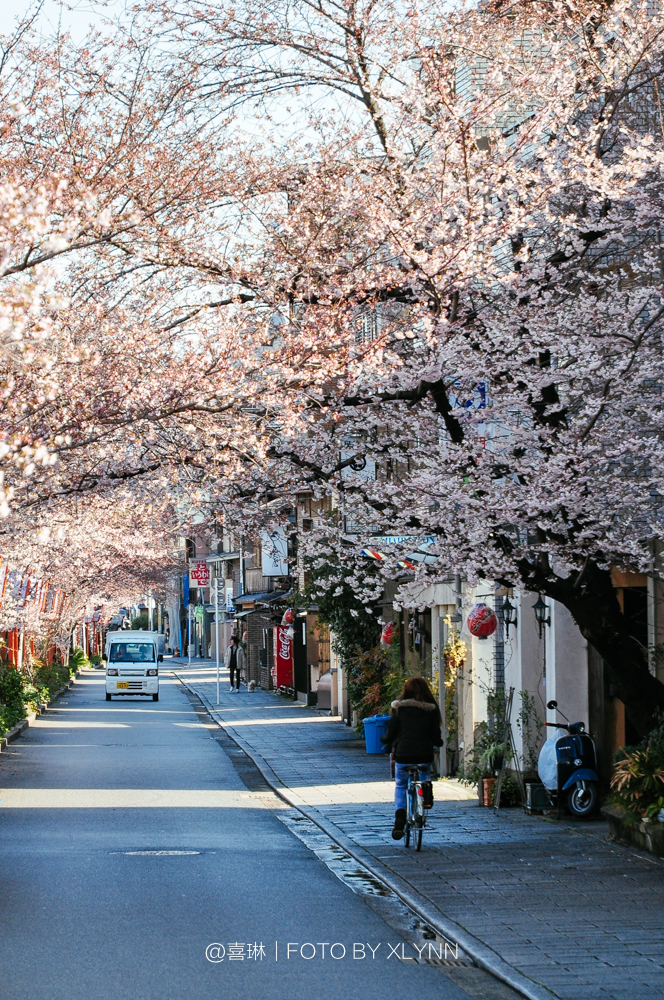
{"x": 583, "y": 801}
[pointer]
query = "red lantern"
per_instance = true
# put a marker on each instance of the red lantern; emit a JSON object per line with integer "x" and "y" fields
{"x": 481, "y": 621}
{"x": 287, "y": 617}
{"x": 388, "y": 633}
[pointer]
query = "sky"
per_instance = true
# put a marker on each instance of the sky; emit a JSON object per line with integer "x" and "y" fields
{"x": 77, "y": 19}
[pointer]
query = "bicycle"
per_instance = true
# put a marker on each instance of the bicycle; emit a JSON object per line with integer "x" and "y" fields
{"x": 416, "y": 809}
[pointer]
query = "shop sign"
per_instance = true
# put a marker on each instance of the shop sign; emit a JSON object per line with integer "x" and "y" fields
{"x": 199, "y": 573}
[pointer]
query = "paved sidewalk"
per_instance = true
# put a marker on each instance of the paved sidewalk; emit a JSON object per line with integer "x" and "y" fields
{"x": 557, "y": 901}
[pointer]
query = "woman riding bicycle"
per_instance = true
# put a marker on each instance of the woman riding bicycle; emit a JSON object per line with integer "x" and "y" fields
{"x": 412, "y": 733}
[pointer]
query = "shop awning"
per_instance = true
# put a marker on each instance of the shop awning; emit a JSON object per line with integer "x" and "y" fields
{"x": 267, "y": 597}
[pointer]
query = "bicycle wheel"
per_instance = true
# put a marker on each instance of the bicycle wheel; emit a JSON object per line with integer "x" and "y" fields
{"x": 407, "y": 833}
{"x": 418, "y": 837}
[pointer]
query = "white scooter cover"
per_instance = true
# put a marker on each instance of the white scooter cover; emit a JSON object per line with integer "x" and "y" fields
{"x": 547, "y": 765}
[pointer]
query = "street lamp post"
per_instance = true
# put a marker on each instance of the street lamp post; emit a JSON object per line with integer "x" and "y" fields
{"x": 509, "y": 615}
{"x": 541, "y": 614}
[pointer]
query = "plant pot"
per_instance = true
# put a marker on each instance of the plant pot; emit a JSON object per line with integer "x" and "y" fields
{"x": 488, "y": 788}
{"x": 537, "y": 797}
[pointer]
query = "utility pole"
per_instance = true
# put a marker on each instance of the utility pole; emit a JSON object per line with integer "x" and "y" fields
{"x": 442, "y": 642}
{"x": 216, "y": 628}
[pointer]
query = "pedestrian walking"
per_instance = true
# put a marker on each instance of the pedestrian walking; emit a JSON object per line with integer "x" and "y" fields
{"x": 234, "y": 662}
{"x": 412, "y": 734}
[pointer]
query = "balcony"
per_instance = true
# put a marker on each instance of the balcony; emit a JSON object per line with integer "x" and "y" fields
{"x": 256, "y": 583}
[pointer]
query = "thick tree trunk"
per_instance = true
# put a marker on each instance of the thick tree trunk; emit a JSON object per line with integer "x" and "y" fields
{"x": 593, "y": 603}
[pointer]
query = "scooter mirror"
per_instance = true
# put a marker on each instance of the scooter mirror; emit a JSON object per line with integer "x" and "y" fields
{"x": 552, "y": 704}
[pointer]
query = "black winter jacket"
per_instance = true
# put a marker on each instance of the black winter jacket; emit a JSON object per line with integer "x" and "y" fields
{"x": 413, "y": 731}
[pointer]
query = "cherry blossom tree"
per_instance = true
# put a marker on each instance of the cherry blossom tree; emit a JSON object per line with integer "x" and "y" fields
{"x": 470, "y": 271}
{"x": 297, "y": 241}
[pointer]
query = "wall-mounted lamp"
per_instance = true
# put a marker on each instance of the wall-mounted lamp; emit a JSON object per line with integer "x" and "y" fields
{"x": 509, "y": 615}
{"x": 457, "y": 616}
{"x": 541, "y": 614}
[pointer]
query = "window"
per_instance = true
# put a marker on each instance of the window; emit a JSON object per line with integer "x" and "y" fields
{"x": 132, "y": 652}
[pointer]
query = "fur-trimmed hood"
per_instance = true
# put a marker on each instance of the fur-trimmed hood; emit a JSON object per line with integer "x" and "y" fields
{"x": 413, "y": 703}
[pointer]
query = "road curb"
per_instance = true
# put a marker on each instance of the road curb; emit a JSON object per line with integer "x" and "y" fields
{"x": 13, "y": 734}
{"x": 482, "y": 954}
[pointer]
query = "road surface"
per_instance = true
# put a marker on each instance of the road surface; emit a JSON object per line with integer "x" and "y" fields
{"x": 131, "y": 845}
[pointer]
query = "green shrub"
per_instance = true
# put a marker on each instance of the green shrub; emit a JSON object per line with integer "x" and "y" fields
{"x": 78, "y": 661}
{"x": 531, "y": 726}
{"x": 637, "y": 784}
{"x": 367, "y": 674}
{"x": 486, "y": 755}
{"x": 50, "y": 677}
{"x": 510, "y": 793}
{"x": 12, "y": 701}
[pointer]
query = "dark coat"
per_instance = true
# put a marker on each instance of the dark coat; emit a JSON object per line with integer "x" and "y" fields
{"x": 413, "y": 731}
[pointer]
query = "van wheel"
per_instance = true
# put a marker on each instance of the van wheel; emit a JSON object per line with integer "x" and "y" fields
{"x": 108, "y": 697}
{"x": 155, "y": 697}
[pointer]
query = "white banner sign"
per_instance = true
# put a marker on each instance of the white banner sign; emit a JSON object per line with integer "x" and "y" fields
{"x": 274, "y": 548}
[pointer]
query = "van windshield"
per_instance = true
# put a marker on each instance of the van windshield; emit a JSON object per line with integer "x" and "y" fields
{"x": 125, "y": 652}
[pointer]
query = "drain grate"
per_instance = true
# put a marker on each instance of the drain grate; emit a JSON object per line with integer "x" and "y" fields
{"x": 445, "y": 963}
{"x": 156, "y": 854}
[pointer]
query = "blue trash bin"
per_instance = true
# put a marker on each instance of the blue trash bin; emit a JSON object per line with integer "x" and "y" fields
{"x": 374, "y": 727}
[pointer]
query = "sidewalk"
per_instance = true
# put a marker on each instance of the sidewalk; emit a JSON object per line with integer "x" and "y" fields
{"x": 556, "y": 901}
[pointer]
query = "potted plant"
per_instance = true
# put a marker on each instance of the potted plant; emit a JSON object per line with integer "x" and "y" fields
{"x": 635, "y": 810}
{"x": 483, "y": 762}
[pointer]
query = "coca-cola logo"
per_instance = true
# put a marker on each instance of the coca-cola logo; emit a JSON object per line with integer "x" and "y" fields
{"x": 284, "y": 645}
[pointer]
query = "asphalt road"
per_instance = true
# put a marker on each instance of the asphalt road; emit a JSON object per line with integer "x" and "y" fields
{"x": 85, "y": 915}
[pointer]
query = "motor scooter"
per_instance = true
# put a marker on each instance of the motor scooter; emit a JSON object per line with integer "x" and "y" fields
{"x": 568, "y": 769}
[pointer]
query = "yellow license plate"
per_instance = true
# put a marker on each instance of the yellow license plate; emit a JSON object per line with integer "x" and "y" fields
{"x": 122, "y": 684}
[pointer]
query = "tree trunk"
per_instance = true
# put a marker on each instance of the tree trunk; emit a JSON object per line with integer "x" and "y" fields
{"x": 593, "y": 604}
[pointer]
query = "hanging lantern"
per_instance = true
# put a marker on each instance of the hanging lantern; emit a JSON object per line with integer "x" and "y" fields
{"x": 388, "y": 633}
{"x": 481, "y": 621}
{"x": 287, "y": 617}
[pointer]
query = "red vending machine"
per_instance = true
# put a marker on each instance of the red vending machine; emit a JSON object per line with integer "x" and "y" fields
{"x": 283, "y": 656}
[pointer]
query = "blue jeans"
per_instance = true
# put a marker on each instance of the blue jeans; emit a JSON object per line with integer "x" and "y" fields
{"x": 401, "y": 781}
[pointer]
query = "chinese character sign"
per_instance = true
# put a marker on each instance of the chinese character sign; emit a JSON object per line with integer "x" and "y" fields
{"x": 199, "y": 573}
{"x": 283, "y": 655}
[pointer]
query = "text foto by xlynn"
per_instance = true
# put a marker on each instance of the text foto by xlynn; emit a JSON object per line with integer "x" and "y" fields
{"x": 238, "y": 951}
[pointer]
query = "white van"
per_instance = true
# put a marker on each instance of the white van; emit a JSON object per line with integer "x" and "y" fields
{"x": 132, "y": 663}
